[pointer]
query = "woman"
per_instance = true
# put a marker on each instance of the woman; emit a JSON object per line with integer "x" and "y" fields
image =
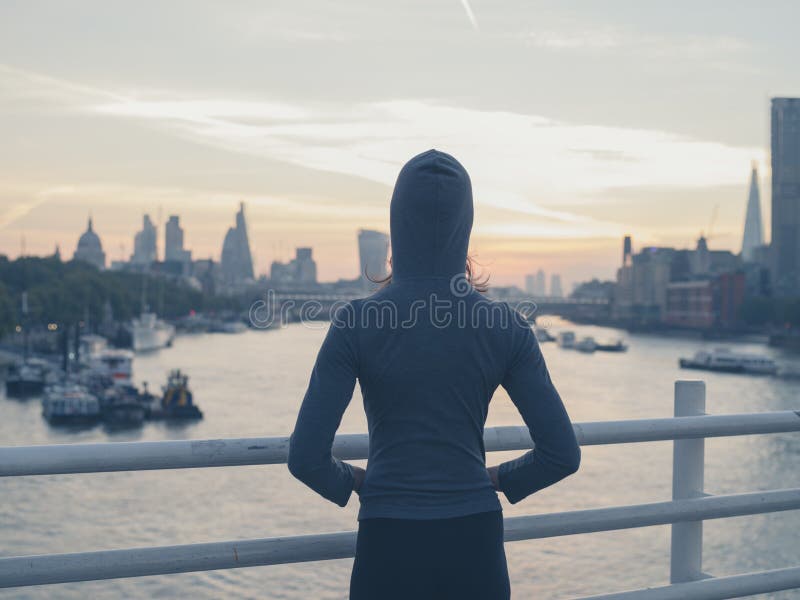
{"x": 429, "y": 350}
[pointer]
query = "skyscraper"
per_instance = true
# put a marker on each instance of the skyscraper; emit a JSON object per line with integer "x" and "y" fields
{"x": 785, "y": 138}
{"x": 541, "y": 284}
{"x": 144, "y": 244}
{"x": 753, "y": 231}
{"x": 373, "y": 249}
{"x": 173, "y": 242}
{"x": 555, "y": 286}
{"x": 530, "y": 284}
{"x": 237, "y": 262}
{"x": 90, "y": 249}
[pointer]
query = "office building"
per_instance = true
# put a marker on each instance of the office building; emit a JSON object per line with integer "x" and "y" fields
{"x": 785, "y": 145}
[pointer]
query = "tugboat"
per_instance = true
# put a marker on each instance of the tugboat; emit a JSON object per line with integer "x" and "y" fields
{"x": 27, "y": 378}
{"x": 177, "y": 401}
{"x": 726, "y": 361}
{"x": 70, "y": 403}
{"x": 123, "y": 406}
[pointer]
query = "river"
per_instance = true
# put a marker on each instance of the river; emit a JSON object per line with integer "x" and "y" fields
{"x": 251, "y": 384}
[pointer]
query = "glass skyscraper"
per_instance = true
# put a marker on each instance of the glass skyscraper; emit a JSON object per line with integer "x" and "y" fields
{"x": 785, "y": 135}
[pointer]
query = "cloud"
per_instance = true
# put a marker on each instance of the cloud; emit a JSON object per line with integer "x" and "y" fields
{"x": 530, "y": 169}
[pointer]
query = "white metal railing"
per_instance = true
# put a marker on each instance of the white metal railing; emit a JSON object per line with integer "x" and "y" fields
{"x": 687, "y": 510}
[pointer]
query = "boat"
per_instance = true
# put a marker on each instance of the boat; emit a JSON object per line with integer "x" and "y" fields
{"x": 227, "y": 327}
{"x": 726, "y": 361}
{"x": 543, "y": 335}
{"x": 70, "y": 403}
{"x": 117, "y": 365}
{"x": 124, "y": 406}
{"x": 587, "y": 345}
{"x": 177, "y": 401}
{"x": 566, "y": 339}
{"x": 151, "y": 333}
{"x": 27, "y": 378}
{"x": 617, "y": 346}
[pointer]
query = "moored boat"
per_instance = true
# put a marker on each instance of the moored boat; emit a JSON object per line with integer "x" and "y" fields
{"x": 69, "y": 403}
{"x": 27, "y": 378}
{"x": 587, "y": 345}
{"x": 566, "y": 339}
{"x": 151, "y": 333}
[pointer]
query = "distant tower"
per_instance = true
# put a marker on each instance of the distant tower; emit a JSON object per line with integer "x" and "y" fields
{"x": 144, "y": 244}
{"x": 173, "y": 242}
{"x": 753, "y": 231}
{"x": 530, "y": 284}
{"x": 373, "y": 250}
{"x": 541, "y": 284}
{"x": 627, "y": 251}
{"x": 237, "y": 262}
{"x": 90, "y": 249}
{"x": 555, "y": 286}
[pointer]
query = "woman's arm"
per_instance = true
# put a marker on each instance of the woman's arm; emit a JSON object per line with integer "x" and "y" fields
{"x": 329, "y": 392}
{"x": 556, "y": 453}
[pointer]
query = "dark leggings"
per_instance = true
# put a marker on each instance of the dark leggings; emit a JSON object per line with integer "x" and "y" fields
{"x": 461, "y": 558}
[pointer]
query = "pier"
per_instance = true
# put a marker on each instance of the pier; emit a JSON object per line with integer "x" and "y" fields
{"x": 689, "y": 506}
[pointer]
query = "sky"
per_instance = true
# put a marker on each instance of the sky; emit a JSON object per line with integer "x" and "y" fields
{"x": 579, "y": 122}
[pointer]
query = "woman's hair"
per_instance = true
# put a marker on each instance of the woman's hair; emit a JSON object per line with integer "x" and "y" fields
{"x": 474, "y": 278}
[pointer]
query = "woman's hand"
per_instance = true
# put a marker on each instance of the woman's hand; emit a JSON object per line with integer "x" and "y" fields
{"x": 358, "y": 478}
{"x": 494, "y": 475}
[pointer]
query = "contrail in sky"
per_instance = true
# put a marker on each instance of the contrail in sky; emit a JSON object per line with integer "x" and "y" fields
{"x": 470, "y": 14}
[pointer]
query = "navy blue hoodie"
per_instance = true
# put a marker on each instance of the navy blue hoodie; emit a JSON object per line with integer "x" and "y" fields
{"x": 429, "y": 351}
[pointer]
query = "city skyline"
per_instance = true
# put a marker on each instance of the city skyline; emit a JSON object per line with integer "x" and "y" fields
{"x": 117, "y": 133}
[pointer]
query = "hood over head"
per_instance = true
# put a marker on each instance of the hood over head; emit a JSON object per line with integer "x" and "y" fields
{"x": 431, "y": 217}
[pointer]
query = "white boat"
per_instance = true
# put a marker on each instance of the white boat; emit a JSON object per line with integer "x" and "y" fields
{"x": 114, "y": 364}
{"x": 151, "y": 333}
{"x": 70, "y": 403}
{"x": 566, "y": 339}
{"x": 722, "y": 359}
{"x": 587, "y": 345}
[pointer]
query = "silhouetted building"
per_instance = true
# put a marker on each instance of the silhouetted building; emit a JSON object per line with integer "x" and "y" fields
{"x": 530, "y": 284}
{"x": 535, "y": 284}
{"x": 594, "y": 290}
{"x": 300, "y": 271}
{"x": 90, "y": 249}
{"x": 785, "y": 138}
{"x": 753, "y": 236}
{"x": 555, "y": 286}
{"x": 173, "y": 243}
{"x": 373, "y": 250}
{"x": 145, "y": 250}
{"x": 541, "y": 285}
{"x": 706, "y": 303}
{"x": 237, "y": 262}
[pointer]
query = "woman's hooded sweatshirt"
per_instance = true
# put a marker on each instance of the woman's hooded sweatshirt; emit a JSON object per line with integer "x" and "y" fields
{"x": 429, "y": 351}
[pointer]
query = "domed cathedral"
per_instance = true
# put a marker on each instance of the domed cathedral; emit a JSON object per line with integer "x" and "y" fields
{"x": 90, "y": 249}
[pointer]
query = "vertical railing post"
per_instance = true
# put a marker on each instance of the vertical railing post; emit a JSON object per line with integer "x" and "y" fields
{"x": 688, "y": 456}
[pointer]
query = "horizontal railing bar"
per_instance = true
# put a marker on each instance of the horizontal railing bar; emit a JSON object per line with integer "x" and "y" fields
{"x": 187, "y": 454}
{"x": 716, "y": 588}
{"x": 137, "y": 562}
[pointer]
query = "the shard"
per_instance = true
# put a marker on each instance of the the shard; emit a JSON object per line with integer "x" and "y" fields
{"x": 753, "y": 231}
